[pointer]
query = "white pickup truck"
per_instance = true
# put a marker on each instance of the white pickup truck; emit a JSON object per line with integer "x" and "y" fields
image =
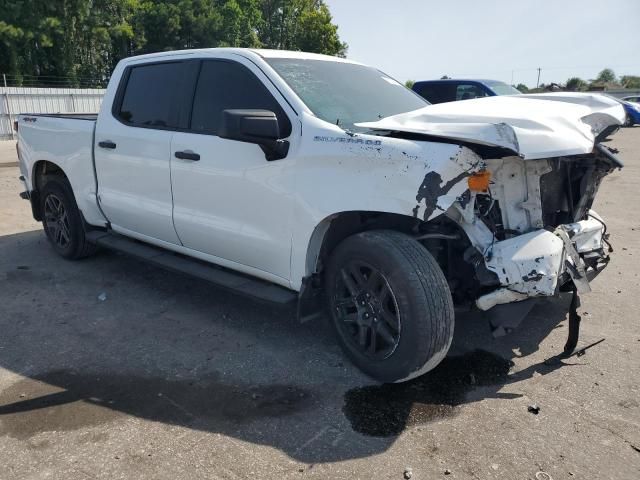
{"x": 299, "y": 177}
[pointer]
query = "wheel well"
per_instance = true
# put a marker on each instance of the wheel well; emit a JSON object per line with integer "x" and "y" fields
{"x": 442, "y": 237}
{"x": 42, "y": 170}
{"x": 326, "y": 237}
{"x": 335, "y": 228}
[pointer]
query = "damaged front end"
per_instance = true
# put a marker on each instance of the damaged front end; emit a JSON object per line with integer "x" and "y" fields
{"x": 529, "y": 231}
{"x": 533, "y": 230}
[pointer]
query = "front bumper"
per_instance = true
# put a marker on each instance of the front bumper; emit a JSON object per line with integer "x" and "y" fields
{"x": 541, "y": 262}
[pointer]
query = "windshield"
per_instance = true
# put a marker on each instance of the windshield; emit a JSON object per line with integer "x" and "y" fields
{"x": 345, "y": 93}
{"x": 503, "y": 89}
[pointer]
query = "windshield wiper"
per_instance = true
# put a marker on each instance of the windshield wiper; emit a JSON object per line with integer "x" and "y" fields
{"x": 346, "y": 130}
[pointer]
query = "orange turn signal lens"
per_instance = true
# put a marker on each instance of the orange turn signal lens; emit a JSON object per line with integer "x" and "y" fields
{"x": 479, "y": 182}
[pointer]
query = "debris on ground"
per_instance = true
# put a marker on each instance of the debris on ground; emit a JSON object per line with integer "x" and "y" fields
{"x": 447, "y": 471}
{"x": 533, "y": 408}
{"x": 102, "y": 297}
{"x": 543, "y": 476}
{"x": 408, "y": 473}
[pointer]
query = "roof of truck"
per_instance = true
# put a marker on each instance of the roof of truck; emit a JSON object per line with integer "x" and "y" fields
{"x": 264, "y": 53}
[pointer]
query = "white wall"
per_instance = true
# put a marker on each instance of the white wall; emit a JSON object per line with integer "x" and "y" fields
{"x": 16, "y": 100}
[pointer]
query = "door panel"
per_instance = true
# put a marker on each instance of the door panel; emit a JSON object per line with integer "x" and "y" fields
{"x": 134, "y": 180}
{"x": 231, "y": 202}
{"x": 133, "y": 147}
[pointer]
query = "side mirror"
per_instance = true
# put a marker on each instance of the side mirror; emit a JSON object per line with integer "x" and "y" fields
{"x": 259, "y": 127}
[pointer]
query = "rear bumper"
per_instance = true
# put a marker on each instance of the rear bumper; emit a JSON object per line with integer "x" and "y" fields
{"x": 541, "y": 262}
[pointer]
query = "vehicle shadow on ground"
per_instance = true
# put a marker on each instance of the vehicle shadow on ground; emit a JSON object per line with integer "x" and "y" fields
{"x": 175, "y": 350}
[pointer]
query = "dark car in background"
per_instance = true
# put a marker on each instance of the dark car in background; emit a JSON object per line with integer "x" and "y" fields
{"x": 451, "y": 90}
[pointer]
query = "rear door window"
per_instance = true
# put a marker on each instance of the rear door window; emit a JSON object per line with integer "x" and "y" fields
{"x": 153, "y": 94}
{"x": 225, "y": 85}
{"x": 468, "y": 91}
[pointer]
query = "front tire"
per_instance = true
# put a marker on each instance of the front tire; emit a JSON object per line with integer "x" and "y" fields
{"x": 390, "y": 304}
{"x": 62, "y": 220}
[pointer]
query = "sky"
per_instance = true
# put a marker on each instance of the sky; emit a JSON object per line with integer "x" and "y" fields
{"x": 495, "y": 39}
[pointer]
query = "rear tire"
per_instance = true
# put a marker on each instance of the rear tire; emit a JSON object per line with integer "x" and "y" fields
{"x": 62, "y": 220}
{"x": 390, "y": 304}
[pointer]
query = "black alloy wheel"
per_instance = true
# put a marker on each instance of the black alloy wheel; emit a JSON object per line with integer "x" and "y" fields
{"x": 56, "y": 221}
{"x": 367, "y": 310}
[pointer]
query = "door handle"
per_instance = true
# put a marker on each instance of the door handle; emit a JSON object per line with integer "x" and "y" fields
{"x": 107, "y": 144}
{"x": 187, "y": 155}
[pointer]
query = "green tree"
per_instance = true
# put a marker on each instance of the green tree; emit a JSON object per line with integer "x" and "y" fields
{"x": 630, "y": 81}
{"x": 576, "y": 84}
{"x": 300, "y": 25}
{"x": 80, "y": 41}
{"x": 409, "y": 83}
{"x": 522, "y": 87}
{"x": 316, "y": 33}
{"x": 71, "y": 41}
{"x": 606, "y": 76}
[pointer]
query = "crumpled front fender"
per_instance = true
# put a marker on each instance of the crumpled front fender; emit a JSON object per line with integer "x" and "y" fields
{"x": 441, "y": 187}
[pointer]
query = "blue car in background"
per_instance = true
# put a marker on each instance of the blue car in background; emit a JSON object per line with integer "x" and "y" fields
{"x": 451, "y": 90}
{"x": 632, "y": 110}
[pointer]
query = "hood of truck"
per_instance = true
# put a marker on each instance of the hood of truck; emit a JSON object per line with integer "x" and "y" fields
{"x": 531, "y": 126}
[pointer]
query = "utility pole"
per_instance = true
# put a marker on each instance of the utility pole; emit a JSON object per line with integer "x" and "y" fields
{"x": 538, "y": 82}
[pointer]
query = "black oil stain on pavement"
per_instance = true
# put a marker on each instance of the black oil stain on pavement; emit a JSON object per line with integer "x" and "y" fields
{"x": 66, "y": 400}
{"x": 431, "y": 189}
{"x": 386, "y": 410}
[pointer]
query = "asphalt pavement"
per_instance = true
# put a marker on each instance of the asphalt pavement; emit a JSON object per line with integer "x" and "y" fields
{"x": 114, "y": 369}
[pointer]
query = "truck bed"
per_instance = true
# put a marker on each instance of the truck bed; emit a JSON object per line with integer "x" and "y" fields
{"x": 67, "y": 141}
